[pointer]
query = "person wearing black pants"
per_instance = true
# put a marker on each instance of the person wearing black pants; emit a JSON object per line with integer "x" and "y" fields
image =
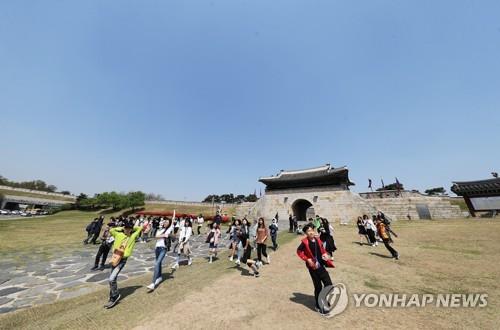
{"x": 273, "y": 230}
{"x": 382, "y": 232}
{"x": 262, "y": 234}
{"x": 104, "y": 248}
{"x": 370, "y": 230}
{"x": 96, "y": 230}
{"x": 311, "y": 250}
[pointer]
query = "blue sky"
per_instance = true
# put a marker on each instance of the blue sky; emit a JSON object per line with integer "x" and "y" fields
{"x": 188, "y": 98}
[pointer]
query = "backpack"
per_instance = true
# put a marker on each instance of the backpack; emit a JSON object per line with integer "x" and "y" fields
{"x": 209, "y": 237}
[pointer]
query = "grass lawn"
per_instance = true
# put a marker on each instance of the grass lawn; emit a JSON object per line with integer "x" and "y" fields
{"x": 64, "y": 230}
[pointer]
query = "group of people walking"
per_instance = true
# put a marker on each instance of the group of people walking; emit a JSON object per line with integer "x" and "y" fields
{"x": 375, "y": 229}
{"x": 316, "y": 248}
{"x": 121, "y": 234}
{"x": 245, "y": 237}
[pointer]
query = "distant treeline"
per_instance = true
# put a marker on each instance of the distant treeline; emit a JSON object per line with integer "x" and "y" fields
{"x": 230, "y": 198}
{"x": 33, "y": 185}
{"x": 114, "y": 200}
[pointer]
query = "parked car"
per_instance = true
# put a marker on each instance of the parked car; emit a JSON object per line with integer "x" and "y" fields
{"x": 4, "y": 212}
{"x": 15, "y": 212}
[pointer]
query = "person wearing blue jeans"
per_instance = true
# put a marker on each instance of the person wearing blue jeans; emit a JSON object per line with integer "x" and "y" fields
{"x": 162, "y": 237}
{"x": 113, "y": 285}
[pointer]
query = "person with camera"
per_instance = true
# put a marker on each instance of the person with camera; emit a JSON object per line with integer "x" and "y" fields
{"x": 123, "y": 246}
{"x": 106, "y": 243}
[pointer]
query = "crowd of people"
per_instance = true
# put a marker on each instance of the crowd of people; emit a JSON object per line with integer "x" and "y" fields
{"x": 317, "y": 247}
{"x": 120, "y": 235}
{"x": 375, "y": 229}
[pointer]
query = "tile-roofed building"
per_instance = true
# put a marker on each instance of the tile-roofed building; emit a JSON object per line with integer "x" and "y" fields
{"x": 479, "y": 195}
{"x": 322, "y": 176}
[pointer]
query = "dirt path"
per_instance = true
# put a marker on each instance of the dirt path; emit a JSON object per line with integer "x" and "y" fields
{"x": 282, "y": 297}
{"x": 245, "y": 301}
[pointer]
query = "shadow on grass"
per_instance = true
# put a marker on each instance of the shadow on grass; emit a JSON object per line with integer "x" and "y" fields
{"x": 361, "y": 244}
{"x": 125, "y": 292}
{"x": 245, "y": 272}
{"x": 381, "y": 255}
{"x": 303, "y": 299}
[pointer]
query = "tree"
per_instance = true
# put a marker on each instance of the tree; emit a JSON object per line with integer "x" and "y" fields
{"x": 135, "y": 199}
{"x": 115, "y": 200}
{"x": 51, "y": 188}
{"x": 212, "y": 198}
{"x": 154, "y": 197}
{"x": 66, "y": 192}
{"x": 436, "y": 191}
{"x": 392, "y": 186}
{"x": 80, "y": 199}
{"x": 251, "y": 198}
{"x": 230, "y": 198}
{"x": 4, "y": 181}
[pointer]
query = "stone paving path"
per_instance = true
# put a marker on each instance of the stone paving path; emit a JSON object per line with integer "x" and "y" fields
{"x": 36, "y": 281}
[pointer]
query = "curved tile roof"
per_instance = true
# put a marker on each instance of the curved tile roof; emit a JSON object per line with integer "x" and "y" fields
{"x": 480, "y": 187}
{"x": 325, "y": 175}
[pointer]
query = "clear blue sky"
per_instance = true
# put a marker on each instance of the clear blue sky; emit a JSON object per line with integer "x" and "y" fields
{"x": 188, "y": 98}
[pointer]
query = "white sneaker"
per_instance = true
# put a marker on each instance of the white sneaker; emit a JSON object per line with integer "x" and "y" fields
{"x": 190, "y": 261}
{"x": 268, "y": 259}
{"x": 151, "y": 287}
{"x": 158, "y": 281}
{"x": 175, "y": 266}
{"x": 231, "y": 258}
{"x": 237, "y": 262}
{"x": 210, "y": 261}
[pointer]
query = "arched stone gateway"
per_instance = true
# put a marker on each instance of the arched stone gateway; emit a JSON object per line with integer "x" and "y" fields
{"x": 320, "y": 190}
{"x": 324, "y": 191}
{"x": 300, "y": 209}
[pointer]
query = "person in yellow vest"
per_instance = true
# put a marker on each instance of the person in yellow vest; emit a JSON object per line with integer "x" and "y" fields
{"x": 382, "y": 232}
{"x": 123, "y": 246}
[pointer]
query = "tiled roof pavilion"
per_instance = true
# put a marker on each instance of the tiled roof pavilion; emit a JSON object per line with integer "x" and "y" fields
{"x": 322, "y": 176}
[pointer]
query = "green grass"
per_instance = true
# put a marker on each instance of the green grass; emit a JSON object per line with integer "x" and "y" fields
{"x": 460, "y": 203}
{"x": 194, "y": 209}
{"x": 35, "y": 195}
{"x": 63, "y": 230}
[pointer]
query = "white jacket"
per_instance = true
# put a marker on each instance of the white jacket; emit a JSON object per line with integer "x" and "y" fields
{"x": 370, "y": 225}
{"x": 185, "y": 233}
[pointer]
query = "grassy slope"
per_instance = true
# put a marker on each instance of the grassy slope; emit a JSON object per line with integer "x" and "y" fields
{"x": 62, "y": 230}
{"x": 205, "y": 210}
{"x": 460, "y": 203}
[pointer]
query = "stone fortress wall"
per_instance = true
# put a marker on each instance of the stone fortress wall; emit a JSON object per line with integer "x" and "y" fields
{"x": 345, "y": 206}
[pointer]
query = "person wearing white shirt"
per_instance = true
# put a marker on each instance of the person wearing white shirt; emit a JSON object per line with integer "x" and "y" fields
{"x": 371, "y": 229}
{"x": 199, "y": 223}
{"x": 161, "y": 247}
{"x": 183, "y": 247}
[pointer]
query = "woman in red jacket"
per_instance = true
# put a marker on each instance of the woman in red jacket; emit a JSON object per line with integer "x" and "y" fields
{"x": 311, "y": 250}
